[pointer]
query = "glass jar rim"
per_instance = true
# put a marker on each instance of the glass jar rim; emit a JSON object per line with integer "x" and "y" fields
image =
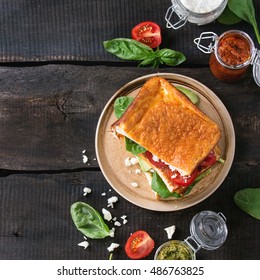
{"x": 199, "y": 14}
{"x": 242, "y": 34}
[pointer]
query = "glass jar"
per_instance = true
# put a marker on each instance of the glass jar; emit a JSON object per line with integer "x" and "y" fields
{"x": 230, "y": 55}
{"x": 208, "y": 231}
{"x": 199, "y": 12}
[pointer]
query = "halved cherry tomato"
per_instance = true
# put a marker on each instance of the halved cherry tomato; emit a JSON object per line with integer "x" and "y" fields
{"x": 209, "y": 160}
{"x": 158, "y": 164}
{"x": 139, "y": 245}
{"x": 148, "y": 33}
{"x": 183, "y": 181}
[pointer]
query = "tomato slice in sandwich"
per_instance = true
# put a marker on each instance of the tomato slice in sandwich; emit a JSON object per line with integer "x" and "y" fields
{"x": 148, "y": 33}
{"x": 183, "y": 181}
{"x": 139, "y": 245}
{"x": 209, "y": 160}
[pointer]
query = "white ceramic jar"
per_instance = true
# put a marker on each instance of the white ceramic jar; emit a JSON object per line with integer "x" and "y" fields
{"x": 199, "y": 12}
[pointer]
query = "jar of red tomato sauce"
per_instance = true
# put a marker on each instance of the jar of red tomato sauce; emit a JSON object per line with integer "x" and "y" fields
{"x": 230, "y": 55}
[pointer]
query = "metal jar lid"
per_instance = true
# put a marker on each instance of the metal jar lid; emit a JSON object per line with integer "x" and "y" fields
{"x": 208, "y": 230}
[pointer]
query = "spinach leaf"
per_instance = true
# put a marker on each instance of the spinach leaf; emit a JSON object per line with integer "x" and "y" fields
{"x": 121, "y": 104}
{"x": 133, "y": 147}
{"x": 228, "y": 17}
{"x": 245, "y": 10}
{"x": 189, "y": 93}
{"x": 248, "y": 200}
{"x": 130, "y": 49}
{"x": 160, "y": 188}
{"x": 88, "y": 221}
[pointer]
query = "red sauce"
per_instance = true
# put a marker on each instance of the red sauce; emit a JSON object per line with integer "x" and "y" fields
{"x": 233, "y": 50}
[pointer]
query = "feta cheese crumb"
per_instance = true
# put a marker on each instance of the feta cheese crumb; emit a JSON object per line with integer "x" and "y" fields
{"x": 138, "y": 171}
{"x": 118, "y": 224}
{"x": 112, "y": 232}
{"x": 125, "y": 222}
{"x": 107, "y": 214}
{"x": 85, "y": 159}
{"x": 123, "y": 217}
{"x": 134, "y": 160}
{"x": 127, "y": 162}
{"x": 86, "y": 191}
{"x": 84, "y": 244}
{"x": 103, "y": 194}
{"x": 111, "y": 201}
{"x": 170, "y": 231}
{"x": 112, "y": 247}
{"x": 134, "y": 184}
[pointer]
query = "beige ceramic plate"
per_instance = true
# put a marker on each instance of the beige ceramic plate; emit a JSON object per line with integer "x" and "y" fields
{"x": 111, "y": 152}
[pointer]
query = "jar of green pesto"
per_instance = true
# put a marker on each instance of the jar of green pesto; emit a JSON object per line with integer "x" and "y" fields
{"x": 208, "y": 231}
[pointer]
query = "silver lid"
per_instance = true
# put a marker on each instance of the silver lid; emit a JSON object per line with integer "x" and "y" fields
{"x": 209, "y": 229}
{"x": 256, "y": 67}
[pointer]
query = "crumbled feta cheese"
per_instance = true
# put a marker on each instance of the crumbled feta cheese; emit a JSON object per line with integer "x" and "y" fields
{"x": 84, "y": 151}
{"x": 85, "y": 158}
{"x": 134, "y": 160}
{"x": 170, "y": 231}
{"x": 125, "y": 222}
{"x": 107, "y": 214}
{"x": 138, "y": 171}
{"x": 123, "y": 217}
{"x": 118, "y": 224}
{"x": 134, "y": 184}
{"x": 112, "y": 247}
{"x": 128, "y": 162}
{"x": 103, "y": 194}
{"x": 86, "y": 191}
{"x": 114, "y": 219}
{"x": 155, "y": 158}
{"x": 84, "y": 244}
{"x": 111, "y": 201}
{"x": 112, "y": 232}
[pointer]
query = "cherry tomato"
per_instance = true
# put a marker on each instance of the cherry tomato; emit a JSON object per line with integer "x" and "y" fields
{"x": 148, "y": 33}
{"x": 209, "y": 160}
{"x": 183, "y": 181}
{"x": 139, "y": 245}
{"x": 158, "y": 164}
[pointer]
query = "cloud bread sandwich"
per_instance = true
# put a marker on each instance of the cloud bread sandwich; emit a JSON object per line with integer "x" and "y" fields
{"x": 178, "y": 141}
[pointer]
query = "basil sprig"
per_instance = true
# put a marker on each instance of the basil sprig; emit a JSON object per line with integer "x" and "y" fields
{"x": 129, "y": 49}
{"x": 237, "y": 10}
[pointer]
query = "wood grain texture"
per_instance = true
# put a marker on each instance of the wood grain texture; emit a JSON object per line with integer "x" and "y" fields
{"x": 69, "y": 30}
{"x": 48, "y": 114}
{"x": 36, "y": 223}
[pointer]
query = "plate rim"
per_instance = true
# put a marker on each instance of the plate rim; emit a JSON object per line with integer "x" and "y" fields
{"x": 167, "y": 76}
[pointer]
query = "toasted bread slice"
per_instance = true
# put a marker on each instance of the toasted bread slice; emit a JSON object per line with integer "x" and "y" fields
{"x": 166, "y": 123}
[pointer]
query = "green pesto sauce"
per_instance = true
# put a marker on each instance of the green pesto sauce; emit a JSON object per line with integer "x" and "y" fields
{"x": 175, "y": 251}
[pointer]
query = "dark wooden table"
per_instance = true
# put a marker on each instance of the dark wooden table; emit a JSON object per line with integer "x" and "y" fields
{"x": 55, "y": 81}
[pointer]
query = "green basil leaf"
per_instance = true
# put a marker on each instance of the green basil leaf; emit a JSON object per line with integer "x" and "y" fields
{"x": 88, "y": 221}
{"x": 128, "y": 49}
{"x": 160, "y": 188}
{"x": 133, "y": 147}
{"x": 245, "y": 10}
{"x": 228, "y": 17}
{"x": 248, "y": 200}
{"x": 121, "y": 104}
{"x": 170, "y": 57}
{"x": 189, "y": 93}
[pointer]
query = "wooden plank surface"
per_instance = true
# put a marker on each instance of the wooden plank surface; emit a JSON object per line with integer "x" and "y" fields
{"x": 69, "y": 30}
{"x": 49, "y": 113}
{"x": 36, "y": 223}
